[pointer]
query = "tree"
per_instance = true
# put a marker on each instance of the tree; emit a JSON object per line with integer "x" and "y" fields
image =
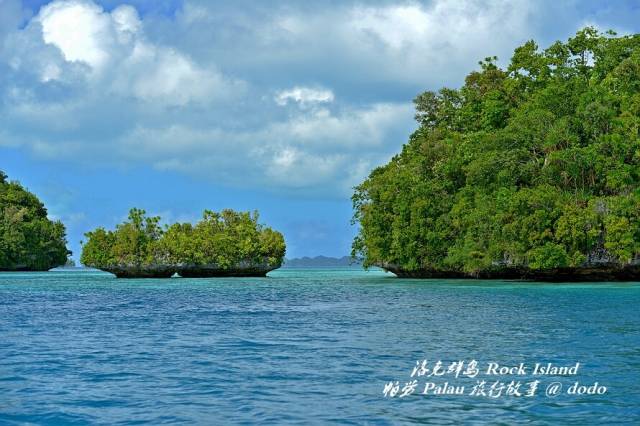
{"x": 536, "y": 166}
{"x": 224, "y": 239}
{"x": 29, "y": 240}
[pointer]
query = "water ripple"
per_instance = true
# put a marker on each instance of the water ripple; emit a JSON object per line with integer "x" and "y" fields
{"x": 301, "y": 347}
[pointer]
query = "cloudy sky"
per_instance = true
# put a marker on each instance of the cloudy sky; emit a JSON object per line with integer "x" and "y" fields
{"x": 280, "y": 106}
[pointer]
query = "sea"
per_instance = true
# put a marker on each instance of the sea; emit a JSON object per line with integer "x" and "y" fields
{"x": 316, "y": 346}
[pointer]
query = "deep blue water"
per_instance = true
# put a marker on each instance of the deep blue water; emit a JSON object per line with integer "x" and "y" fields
{"x": 306, "y": 346}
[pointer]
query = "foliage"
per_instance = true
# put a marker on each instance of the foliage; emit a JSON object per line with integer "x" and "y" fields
{"x": 224, "y": 239}
{"x": 536, "y": 165}
{"x": 28, "y": 239}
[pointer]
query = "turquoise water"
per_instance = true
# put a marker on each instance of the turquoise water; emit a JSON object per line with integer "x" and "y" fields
{"x": 306, "y": 346}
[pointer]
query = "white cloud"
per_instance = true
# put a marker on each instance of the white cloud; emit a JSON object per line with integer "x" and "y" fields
{"x": 164, "y": 75}
{"x": 304, "y": 96}
{"x": 112, "y": 53}
{"x": 127, "y": 22}
{"x": 310, "y": 149}
{"x": 395, "y": 25}
{"x": 195, "y": 92}
{"x": 80, "y": 30}
{"x": 414, "y": 43}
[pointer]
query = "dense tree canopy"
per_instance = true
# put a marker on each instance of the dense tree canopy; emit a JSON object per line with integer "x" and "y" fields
{"x": 28, "y": 239}
{"x": 535, "y": 166}
{"x": 223, "y": 239}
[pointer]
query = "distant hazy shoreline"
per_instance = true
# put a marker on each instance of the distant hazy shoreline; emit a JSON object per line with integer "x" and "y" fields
{"x": 322, "y": 262}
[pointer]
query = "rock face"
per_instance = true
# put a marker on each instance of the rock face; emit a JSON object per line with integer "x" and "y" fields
{"x": 590, "y": 271}
{"x": 25, "y": 268}
{"x": 136, "y": 271}
{"x": 240, "y": 269}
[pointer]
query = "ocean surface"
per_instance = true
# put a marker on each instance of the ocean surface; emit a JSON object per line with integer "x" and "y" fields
{"x": 314, "y": 347}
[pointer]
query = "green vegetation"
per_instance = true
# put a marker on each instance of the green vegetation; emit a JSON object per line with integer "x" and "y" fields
{"x": 223, "y": 239}
{"x": 535, "y": 166}
{"x": 29, "y": 241}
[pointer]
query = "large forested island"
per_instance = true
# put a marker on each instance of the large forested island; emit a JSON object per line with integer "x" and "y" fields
{"x": 532, "y": 171}
{"x": 29, "y": 241}
{"x": 228, "y": 243}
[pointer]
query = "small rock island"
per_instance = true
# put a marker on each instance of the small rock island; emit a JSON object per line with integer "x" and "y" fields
{"x": 531, "y": 171}
{"x": 228, "y": 243}
{"x": 29, "y": 240}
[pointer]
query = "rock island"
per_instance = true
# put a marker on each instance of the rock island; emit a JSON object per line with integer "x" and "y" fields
{"x": 228, "y": 243}
{"x": 29, "y": 240}
{"x": 531, "y": 171}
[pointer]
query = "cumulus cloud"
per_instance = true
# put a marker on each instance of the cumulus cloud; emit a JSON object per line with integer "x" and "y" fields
{"x": 328, "y": 152}
{"x": 86, "y": 84}
{"x": 289, "y": 97}
{"x": 80, "y": 30}
{"x": 396, "y": 26}
{"x": 77, "y": 42}
{"x": 412, "y": 42}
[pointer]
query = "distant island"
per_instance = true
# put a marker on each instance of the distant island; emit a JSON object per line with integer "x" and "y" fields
{"x": 532, "y": 171}
{"x": 228, "y": 243}
{"x": 322, "y": 262}
{"x": 29, "y": 240}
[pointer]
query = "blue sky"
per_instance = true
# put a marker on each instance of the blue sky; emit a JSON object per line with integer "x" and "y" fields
{"x": 283, "y": 106}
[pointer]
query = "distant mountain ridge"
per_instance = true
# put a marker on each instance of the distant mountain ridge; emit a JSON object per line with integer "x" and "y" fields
{"x": 321, "y": 262}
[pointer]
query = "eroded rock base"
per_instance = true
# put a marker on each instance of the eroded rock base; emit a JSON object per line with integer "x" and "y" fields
{"x": 601, "y": 273}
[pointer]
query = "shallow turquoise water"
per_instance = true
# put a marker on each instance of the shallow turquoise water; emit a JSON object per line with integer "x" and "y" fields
{"x": 306, "y": 346}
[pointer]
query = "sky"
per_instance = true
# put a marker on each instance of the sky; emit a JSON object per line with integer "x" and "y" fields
{"x": 176, "y": 106}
